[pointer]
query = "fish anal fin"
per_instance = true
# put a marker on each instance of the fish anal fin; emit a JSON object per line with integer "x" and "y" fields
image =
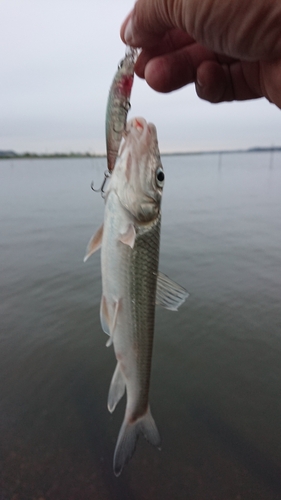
{"x": 129, "y": 236}
{"x": 169, "y": 294}
{"x": 94, "y": 243}
{"x": 116, "y": 390}
{"x": 128, "y": 436}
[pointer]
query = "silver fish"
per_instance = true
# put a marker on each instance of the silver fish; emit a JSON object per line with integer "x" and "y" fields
{"x": 131, "y": 285}
{"x": 118, "y": 105}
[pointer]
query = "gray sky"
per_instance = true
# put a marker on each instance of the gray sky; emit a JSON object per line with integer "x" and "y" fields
{"x": 58, "y": 58}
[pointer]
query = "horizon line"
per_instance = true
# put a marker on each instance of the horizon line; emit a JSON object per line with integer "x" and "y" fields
{"x": 10, "y": 154}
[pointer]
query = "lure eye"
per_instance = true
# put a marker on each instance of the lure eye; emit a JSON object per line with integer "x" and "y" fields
{"x": 160, "y": 176}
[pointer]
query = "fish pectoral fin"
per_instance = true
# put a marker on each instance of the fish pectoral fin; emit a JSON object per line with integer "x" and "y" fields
{"x": 116, "y": 390}
{"x": 108, "y": 323}
{"x": 94, "y": 243}
{"x": 169, "y": 294}
{"x": 129, "y": 236}
{"x": 128, "y": 436}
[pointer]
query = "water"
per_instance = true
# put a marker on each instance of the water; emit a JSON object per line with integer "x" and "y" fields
{"x": 216, "y": 377}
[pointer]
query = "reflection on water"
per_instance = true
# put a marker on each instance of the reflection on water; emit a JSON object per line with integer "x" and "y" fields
{"x": 216, "y": 378}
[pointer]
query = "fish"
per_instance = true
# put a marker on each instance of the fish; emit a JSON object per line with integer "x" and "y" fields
{"x": 131, "y": 284}
{"x": 118, "y": 105}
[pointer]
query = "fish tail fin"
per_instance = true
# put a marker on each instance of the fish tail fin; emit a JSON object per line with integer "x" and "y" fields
{"x": 128, "y": 437}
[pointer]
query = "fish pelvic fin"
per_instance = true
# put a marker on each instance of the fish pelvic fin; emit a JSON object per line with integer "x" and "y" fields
{"x": 104, "y": 316}
{"x": 113, "y": 321}
{"x": 94, "y": 243}
{"x": 116, "y": 390}
{"x": 108, "y": 322}
{"x": 169, "y": 294}
{"x": 128, "y": 437}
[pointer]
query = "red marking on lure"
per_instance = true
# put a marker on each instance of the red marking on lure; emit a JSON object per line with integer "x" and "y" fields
{"x": 127, "y": 83}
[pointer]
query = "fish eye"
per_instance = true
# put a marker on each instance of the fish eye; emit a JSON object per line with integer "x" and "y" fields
{"x": 120, "y": 64}
{"x": 160, "y": 176}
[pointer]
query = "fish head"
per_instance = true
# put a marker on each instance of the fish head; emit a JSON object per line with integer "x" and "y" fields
{"x": 138, "y": 176}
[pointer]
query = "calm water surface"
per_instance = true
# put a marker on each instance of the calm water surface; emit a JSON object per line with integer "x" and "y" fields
{"x": 216, "y": 377}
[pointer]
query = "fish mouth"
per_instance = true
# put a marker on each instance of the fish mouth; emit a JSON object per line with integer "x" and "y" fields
{"x": 141, "y": 130}
{"x": 139, "y": 136}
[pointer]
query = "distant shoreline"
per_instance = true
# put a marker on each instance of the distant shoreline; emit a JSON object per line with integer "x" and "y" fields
{"x": 11, "y": 155}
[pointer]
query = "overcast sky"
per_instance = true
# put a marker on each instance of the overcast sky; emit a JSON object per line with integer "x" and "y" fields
{"x": 58, "y": 58}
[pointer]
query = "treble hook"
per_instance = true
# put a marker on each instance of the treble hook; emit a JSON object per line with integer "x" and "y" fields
{"x": 101, "y": 189}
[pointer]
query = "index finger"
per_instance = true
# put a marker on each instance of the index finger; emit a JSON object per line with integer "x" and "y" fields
{"x": 148, "y": 22}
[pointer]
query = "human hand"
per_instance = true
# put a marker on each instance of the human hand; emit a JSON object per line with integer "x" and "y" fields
{"x": 230, "y": 49}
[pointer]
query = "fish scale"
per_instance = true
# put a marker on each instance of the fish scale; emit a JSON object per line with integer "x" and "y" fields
{"x": 143, "y": 276}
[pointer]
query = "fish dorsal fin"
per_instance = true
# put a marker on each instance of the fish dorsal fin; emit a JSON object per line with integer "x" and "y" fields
{"x": 169, "y": 294}
{"x": 94, "y": 243}
{"x": 129, "y": 236}
{"x": 116, "y": 390}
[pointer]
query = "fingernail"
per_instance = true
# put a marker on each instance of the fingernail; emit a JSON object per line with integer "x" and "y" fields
{"x": 199, "y": 83}
{"x": 128, "y": 33}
